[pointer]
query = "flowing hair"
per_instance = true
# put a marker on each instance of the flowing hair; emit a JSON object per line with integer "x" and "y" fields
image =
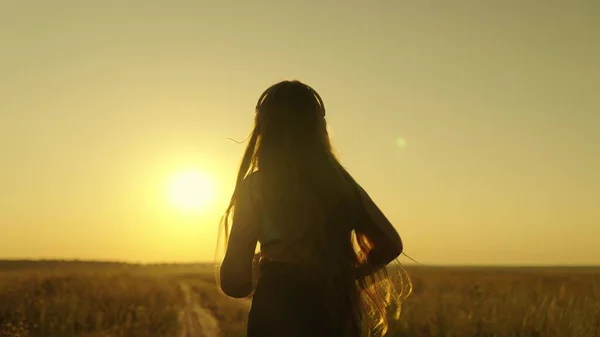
{"x": 303, "y": 187}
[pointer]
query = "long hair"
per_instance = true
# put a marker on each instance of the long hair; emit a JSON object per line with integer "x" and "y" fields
{"x": 304, "y": 188}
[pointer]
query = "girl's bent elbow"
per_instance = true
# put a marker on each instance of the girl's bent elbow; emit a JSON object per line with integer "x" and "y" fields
{"x": 235, "y": 291}
{"x": 399, "y": 248}
{"x": 395, "y": 251}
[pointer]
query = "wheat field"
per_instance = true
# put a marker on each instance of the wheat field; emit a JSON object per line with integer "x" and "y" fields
{"x": 67, "y": 299}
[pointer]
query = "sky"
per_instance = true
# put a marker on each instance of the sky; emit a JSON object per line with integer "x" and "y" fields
{"x": 475, "y": 125}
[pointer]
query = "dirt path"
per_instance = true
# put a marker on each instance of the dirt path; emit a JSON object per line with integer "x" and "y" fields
{"x": 196, "y": 321}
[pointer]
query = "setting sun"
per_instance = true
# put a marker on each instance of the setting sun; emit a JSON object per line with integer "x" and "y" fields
{"x": 191, "y": 190}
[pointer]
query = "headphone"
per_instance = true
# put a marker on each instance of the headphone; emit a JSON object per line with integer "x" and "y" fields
{"x": 271, "y": 91}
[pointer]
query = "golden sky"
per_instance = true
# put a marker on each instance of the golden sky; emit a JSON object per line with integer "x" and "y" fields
{"x": 475, "y": 125}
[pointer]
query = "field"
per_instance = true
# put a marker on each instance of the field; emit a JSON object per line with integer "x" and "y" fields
{"x": 66, "y": 299}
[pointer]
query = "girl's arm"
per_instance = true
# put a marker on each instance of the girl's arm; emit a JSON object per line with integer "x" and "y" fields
{"x": 236, "y": 270}
{"x": 381, "y": 234}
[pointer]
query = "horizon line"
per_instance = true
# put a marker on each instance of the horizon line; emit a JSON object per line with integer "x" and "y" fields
{"x": 205, "y": 262}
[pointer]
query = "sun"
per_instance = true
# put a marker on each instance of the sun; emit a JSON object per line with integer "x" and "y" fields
{"x": 191, "y": 190}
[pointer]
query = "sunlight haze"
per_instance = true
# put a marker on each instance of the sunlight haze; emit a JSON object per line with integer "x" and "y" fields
{"x": 474, "y": 125}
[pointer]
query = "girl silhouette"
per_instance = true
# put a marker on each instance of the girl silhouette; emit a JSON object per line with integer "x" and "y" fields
{"x": 324, "y": 244}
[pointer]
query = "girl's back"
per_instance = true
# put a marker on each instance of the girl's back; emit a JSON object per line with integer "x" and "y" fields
{"x": 294, "y": 198}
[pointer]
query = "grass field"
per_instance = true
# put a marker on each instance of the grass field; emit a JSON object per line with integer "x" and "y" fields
{"x": 66, "y": 299}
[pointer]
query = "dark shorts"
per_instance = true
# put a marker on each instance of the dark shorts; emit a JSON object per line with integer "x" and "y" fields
{"x": 287, "y": 303}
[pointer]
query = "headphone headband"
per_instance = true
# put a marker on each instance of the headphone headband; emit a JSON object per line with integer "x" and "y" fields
{"x": 270, "y": 92}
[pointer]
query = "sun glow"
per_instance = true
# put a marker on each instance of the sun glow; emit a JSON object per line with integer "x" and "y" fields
{"x": 191, "y": 190}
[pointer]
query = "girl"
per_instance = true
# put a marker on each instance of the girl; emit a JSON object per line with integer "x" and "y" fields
{"x": 324, "y": 244}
